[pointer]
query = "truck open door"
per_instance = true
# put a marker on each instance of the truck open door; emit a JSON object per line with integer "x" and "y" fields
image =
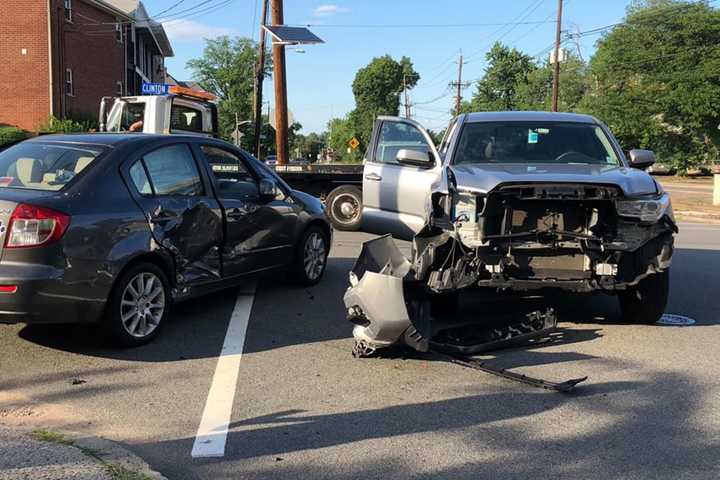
{"x": 401, "y": 164}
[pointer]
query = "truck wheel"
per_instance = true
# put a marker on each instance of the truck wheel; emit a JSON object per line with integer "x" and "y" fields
{"x": 138, "y": 305}
{"x": 344, "y": 208}
{"x": 645, "y": 303}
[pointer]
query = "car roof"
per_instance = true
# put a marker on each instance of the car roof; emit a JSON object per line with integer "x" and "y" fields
{"x": 110, "y": 139}
{"x": 527, "y": 116}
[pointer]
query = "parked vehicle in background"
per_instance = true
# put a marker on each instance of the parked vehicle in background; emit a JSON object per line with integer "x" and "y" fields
{"x": 271, "y": 160}
{"x": 661, "y": 169}
{"x": 115, "y": 228}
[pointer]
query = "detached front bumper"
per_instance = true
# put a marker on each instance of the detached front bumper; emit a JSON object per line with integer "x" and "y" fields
{"x": 42, "y": 295}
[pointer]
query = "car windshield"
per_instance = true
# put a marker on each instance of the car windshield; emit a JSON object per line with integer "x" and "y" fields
{"x": 43, "y": 166}
{"x": 124, "y": 115}
{"x": 534, "y": 142}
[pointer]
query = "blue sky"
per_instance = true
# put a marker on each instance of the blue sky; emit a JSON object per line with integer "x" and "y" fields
{"x": 430, "y": 32}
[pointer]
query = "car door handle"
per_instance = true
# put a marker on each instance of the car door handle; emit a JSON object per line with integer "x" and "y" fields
{"x": 163, "y": 216}
{"x": 237, "y": 213}
{"x": 373, "y": 177}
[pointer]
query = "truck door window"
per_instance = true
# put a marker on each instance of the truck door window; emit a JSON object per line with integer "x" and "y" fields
{"x": 173, "y": 171}
{"x": 185, "y": 118}
{"x": 232, "y": 178}
{"x": 395, "y": 136}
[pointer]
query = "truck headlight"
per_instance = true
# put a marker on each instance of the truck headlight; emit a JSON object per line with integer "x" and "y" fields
{"x": 650, "y": 210}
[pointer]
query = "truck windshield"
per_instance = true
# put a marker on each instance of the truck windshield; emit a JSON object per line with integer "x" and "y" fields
{"x": 534, "y": 142}
{"x": 124, "y": 115}
{"x": 43, "y": 166}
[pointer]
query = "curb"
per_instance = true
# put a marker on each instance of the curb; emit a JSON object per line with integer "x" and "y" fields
{"x": 102, "y": 450}
{"x": 702, "y": 217}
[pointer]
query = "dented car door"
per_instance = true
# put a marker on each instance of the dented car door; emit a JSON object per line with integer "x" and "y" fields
{"x": 184, "y": 216}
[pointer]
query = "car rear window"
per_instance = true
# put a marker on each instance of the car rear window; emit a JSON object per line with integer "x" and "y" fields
{"x": 44, "y": 166}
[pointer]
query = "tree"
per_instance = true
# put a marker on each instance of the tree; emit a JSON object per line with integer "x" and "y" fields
{"x": 655, "y": 81}
{"x": 340, "y": 131}
{"x": 226, "y": 69}
{"x": 507, "y": 70}
{"x": 535, "y": 91}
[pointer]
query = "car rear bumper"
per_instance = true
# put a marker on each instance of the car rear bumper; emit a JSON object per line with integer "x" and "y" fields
{"x": 43, "y": 294}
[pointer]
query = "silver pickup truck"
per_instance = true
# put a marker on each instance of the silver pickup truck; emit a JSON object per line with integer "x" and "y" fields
{"x": 508, "y": 200}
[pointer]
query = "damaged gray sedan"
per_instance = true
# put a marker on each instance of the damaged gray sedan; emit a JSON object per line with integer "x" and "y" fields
{"x": 516, "y": 201}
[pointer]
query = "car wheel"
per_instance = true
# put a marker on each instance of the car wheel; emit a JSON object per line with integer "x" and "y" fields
{"x": 138, "y": 305}
{"x": 645, "y": 303}
{"x": 311, "y": 257}
{"x": 344, "y": 208}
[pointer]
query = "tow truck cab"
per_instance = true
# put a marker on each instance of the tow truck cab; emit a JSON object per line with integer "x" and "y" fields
{"x": 176, "y": 110}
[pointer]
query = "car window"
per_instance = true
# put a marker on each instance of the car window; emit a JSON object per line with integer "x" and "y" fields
{"x": 140, "y": 179}
{"x": 534, "y": 142}
{"x": 185, "y": 118}
{"x": 43, "y": 166}
{"x": 173, "y": 171}
{"x": 395, "y": 136}
{"x": 232, "y": 177}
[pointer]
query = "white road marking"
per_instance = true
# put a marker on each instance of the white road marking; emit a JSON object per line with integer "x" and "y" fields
{"x": 212, "y": 433}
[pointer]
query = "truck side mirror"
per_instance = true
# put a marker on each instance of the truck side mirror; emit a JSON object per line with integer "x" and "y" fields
{"x": 267, "y": 189}
{"x": 641, "y": 158}
{"x": 415, "y": 158}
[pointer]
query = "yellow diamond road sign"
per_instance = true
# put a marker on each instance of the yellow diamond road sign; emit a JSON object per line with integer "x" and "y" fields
{"x": 354, "y": 143}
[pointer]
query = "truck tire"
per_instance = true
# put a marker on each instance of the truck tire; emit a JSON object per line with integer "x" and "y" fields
{"x": 344, "y": 208}
{"x": 645, "y": 303}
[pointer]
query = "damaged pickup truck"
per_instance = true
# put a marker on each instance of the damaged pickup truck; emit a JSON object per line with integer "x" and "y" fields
{"x": 516, "y": 201}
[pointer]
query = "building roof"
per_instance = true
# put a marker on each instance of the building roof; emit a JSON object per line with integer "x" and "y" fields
{"x": 136, "y": 10}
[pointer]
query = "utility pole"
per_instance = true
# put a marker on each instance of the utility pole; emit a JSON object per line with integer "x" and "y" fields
{"x": 405, "y": 93}
{"x": 259, "y": 77}
{"x": 459, "y": 85}
{"x": 281, "y": 113}
{"x": 556, "y": 71}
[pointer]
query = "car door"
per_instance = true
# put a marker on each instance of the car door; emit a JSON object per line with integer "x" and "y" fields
{"x": 258, "y": 231}
{"x": 394, "y": 195}
{"x": 184, "y": 215}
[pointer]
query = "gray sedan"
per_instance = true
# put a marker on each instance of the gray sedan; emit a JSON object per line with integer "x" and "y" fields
{"x": 114, "y": 228}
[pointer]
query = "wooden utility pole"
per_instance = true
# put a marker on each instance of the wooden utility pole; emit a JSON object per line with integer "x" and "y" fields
{"x": 459, "y": 85}
{"x": 259, "y": 77}
{"x": 281, "y": 112}
{"x": 407, "y": 103}
{"x": 556, "y": 71}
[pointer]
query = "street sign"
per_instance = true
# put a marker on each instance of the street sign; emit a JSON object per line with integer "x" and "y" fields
{"x": 155, "y": 88}
{"x": 354, "y": 143}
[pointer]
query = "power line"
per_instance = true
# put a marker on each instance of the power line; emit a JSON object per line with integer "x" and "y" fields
{"x": 417, "y": 25}
{"x": 171, "y": 7}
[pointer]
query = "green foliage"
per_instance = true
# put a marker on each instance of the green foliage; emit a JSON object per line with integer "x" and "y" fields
{"x": 11, "y": 134}
{"x": 655, "y": 81}
{"x": 340, "y": 131}
{"x": 227, "y": 69}
{"x": 52, "y": 437}
{"x": 307, "y": 146}
{"x": 55, "y": 125}
{"x": 507, "y": 69}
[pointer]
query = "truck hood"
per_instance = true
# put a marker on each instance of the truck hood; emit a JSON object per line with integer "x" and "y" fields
{"x": 483, "y": 178}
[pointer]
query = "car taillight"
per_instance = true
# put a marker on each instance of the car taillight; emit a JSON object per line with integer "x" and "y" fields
{"x": 31, "y": 225}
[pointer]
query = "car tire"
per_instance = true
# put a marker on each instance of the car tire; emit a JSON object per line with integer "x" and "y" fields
{"x": 310, "y": 257}
{"x": 344, "y": 208}
{"x": 645, "y": 303}
{"x": 127, "y": 326}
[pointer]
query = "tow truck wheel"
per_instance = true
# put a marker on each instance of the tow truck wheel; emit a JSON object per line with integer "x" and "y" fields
{"x": 344, "y": 208}
{"x": 645, "y": 303}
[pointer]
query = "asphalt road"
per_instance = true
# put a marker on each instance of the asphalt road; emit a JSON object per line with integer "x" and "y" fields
{"x": 304, "y": 408}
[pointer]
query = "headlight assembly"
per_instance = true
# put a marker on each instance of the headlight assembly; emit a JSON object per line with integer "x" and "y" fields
{"x": 650, "y": 210}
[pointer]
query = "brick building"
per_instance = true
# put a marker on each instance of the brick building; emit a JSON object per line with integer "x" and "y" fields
{"x": 59, "y": 57}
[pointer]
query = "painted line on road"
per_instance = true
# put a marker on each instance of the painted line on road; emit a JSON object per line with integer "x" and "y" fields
{"x": 212, "y": 432}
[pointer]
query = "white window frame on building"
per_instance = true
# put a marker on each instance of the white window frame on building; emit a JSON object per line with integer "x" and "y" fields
{"x": 68, "y": 11}
{"x": 120, "y": 91}
{"x": 69, "y": 86}
{"x": 119, "y": 32}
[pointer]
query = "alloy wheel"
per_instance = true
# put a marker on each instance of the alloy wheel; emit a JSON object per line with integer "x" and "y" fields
{"x": 315, "y": 255}
{"x": 142, "y": 305}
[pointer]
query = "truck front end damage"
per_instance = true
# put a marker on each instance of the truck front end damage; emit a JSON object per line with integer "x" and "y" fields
{"x": 577, "y": 237}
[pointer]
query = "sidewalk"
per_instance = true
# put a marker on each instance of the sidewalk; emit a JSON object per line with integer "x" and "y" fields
{"x": 45, "y": 455}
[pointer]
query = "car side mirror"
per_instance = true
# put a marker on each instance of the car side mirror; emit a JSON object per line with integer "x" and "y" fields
{"x": 641, "y": 158}
{"x": 267, "y": 189}
{"x": 415, "y": 158}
